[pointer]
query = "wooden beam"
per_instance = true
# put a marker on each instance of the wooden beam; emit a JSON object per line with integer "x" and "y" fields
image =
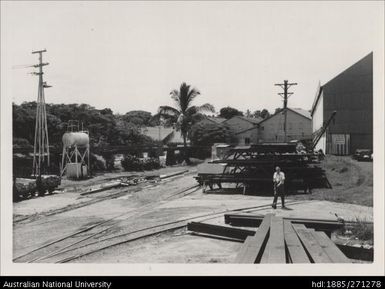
{"x": 313, "y": 249}
{"x": 252, "y": 249}
{"x": 295, "y": 249}
{"x": 223, "y": 231}
{"x": 254, "y": 221}
{"x": 275, "y": 248}
{"x": 330, "y": 248}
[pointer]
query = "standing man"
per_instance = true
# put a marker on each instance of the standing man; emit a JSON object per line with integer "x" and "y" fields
{"x": 279, "y": 181}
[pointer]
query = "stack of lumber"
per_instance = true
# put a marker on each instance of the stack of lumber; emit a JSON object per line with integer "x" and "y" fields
{"x": 254, "y": 166}
{"x": 250, "y": 220}
{"x": 278, "y": 240}
{"x": 282, "y": 241}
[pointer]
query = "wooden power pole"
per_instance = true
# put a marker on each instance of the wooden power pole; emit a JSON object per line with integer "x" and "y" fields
{"x": 285, "y": 86}
{"x": 41, "y": 143}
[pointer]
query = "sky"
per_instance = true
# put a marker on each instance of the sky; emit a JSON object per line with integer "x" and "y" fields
{"x": 130, "y": 55}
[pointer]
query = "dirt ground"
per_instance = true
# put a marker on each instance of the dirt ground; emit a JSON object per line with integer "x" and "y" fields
{"x": 42, "y": 220}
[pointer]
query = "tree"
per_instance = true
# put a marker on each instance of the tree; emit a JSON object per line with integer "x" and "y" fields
{"x": 265, "y": 113}
{"x": 278, "y": 109}
{"x": 138, "y": 117}
{"x": 261, "y": 114}
{"x": 206, "y": 134}
{"x": 229, "y": 112}
{"x": 183, "y": 113}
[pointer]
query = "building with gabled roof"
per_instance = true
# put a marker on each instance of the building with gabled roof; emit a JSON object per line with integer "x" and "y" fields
{"x": 350, "y": 94}
{"x": 271, "y": 129}
{"x": 240, "y": 123}
{"x": 164, "y": 134}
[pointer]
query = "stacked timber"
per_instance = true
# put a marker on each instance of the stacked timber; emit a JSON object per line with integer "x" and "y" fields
{"x": 278, "y": 240}
{"x": 253, "y": 166}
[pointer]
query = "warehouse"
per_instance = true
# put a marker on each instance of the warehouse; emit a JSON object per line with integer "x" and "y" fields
{"x": 350, "y": 94}
{"x": 271, "y": 129}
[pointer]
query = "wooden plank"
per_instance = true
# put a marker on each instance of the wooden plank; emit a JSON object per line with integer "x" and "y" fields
{"x": 251, "y": 250}
{"x": 223, "y": 231}
{"x": 330, "y": 248}
{"x": 275, "y": 248}
{"x": 253, "y": 221}
{"x": 295, "y": 249}
{"x": 317, "y": 254}
{"x": 243, "y": 251}
{"x": 265, "y": 257}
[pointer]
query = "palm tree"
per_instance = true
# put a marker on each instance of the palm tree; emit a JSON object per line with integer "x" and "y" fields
{"x": 184, "y": 112}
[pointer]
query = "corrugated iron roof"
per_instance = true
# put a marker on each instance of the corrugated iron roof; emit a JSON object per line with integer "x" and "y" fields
{"x": 160, "y": 133}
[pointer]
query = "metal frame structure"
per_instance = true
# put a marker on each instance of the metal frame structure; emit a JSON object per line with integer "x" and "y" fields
{"x": 41, "y": 158}
{"x": 253, "y": 166}
{"x": 75, "y": 154}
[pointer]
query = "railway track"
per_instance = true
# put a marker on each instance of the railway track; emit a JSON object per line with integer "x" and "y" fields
{"x": 81, "y": 235}
{"x": 74, "y": 246}
{"x": 98, "y": 197}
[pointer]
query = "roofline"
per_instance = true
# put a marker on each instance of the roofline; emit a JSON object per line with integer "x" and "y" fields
{"x": 211, "y": 119}
{"x": 299, "y": 113}
{"x": 318, "y": 96}
{"x": 339, "y": 74}
{"x": 350, "y": 66}
{"x": 257, "y": 125}
{"x": 244, "y": 118}
{"x": 281, "y": 111}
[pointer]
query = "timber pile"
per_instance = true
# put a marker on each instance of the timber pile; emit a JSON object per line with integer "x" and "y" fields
{"x": 253, "y": 166}
{"x": 278, "y": 240}
{"x": 249, "y": 220}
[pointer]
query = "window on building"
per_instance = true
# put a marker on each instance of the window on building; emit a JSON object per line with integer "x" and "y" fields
{"x": 247, "y": 140}
{"x": 262, "y": 127}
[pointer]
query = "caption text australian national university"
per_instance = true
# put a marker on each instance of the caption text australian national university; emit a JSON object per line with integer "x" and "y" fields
{"x": 56, "y": 284}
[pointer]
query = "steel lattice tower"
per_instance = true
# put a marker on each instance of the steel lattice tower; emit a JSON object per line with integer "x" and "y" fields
{"x": 41, "y": 143}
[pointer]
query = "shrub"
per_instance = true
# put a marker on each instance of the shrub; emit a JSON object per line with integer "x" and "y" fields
{"x": 133, "y": 163}
{"x": 151, "y": 164}
{"x": 21, "y": 142}
{"x": 363, "y": 230}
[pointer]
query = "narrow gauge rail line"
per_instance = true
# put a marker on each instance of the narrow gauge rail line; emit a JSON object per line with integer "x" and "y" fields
{"x": 120, "y": 193}
{"x": 142, "y": 233}
{"x": 130, "y": 214}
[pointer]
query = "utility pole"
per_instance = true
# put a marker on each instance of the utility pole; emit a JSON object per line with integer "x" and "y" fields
{"x": 41, "y": 144}
{"x": 285, "y": 86}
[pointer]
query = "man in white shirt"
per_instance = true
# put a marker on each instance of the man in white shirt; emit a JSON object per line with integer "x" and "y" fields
{"x": 279, "y": 181}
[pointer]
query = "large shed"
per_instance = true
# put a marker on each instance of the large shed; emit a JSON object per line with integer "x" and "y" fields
{"x": 350, "y": 93}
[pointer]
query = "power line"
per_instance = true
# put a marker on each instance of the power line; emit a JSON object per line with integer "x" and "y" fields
{"x": 285, "y": 86}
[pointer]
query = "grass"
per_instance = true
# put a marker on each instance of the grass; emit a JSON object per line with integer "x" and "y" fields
{"x": 352, "y": 182}
{"x": 362, "y": 230}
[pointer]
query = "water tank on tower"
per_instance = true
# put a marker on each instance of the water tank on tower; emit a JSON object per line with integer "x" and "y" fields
{"x": 76, "y": 151}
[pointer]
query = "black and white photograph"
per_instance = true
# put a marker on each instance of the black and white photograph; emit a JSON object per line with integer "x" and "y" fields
{"x": 192, "y": 137}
